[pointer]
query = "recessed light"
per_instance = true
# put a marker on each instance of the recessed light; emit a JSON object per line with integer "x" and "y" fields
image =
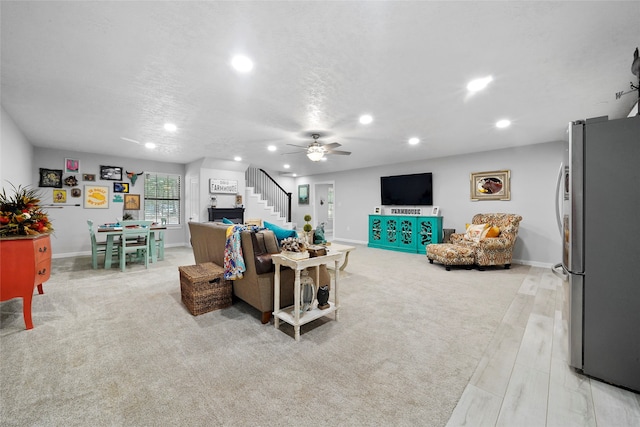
{"x": 479, "y": 84}
{"x": 287, "y": 166}
{"x": 272, "y": 148}
{"x": 414, "y": 141}
{"x": 170, "y": 127}
{"x": 242, "y": 63}
{"x": 150, "y": 145}
{"x": 237, "y": 158}
{"x": 365, "y": 119}
{"x": 294, "y": 175}
{"x": 503, "y": 123}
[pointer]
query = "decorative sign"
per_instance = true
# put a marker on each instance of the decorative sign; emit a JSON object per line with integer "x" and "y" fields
{"x": 406, "y": 211}
{"x": 225, "y": 186}
{"x": 117, "y": 198}
{"x": 96, "y": 197}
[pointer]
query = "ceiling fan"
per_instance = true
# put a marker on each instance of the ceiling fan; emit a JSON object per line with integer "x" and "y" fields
{"x": 316, "y": 150}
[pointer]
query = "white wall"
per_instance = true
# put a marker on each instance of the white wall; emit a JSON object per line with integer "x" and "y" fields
{"x": 16, "y": 155}
{"x": 533, "y": 169}
{"x": 71, "y": 235}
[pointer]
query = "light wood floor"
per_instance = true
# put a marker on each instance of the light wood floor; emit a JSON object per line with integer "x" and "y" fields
{"x": 523, "y": 378}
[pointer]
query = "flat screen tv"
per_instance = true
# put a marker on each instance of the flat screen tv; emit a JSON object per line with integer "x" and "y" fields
{"x": 407, "y": 190}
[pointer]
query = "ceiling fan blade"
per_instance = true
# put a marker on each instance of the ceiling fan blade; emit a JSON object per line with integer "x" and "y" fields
{"x": 339, "y": 152}
{"x": 299, "y": 146}
{"x": 129, "y": 140}
{"x": 332, "y": 145}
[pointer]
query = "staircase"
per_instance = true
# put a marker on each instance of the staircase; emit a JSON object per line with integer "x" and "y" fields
{"x": 265, "y": 199}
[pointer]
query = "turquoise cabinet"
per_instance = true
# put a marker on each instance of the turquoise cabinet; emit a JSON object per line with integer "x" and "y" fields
{"x": 404, "y": 233}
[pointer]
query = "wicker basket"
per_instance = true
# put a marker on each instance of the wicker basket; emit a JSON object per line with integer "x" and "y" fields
{"x": 203, "y": 288}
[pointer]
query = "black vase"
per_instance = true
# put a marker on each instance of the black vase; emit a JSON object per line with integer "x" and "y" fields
{"x": 323, "y": 297}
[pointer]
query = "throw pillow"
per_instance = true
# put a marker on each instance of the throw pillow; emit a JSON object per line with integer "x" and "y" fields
{"x": 493, "y": 231}
{"x": 226, "y": 221}
{"x": 281, "y": 233}
{"x": 474, "y": 232}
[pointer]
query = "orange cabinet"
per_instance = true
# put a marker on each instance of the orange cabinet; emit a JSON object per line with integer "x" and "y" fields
{"x": 25, "y": 262}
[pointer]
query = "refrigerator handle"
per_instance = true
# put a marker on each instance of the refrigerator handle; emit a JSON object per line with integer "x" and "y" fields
{"x": 558, "y": 203}
{"x": 559, "y": 271}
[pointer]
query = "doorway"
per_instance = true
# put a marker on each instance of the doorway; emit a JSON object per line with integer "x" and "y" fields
{"x": 324, "y": 207}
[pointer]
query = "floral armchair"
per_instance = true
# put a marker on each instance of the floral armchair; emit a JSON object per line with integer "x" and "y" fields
{"x": 492, "y": 250}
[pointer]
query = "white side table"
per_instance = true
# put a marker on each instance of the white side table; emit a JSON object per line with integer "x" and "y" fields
{"x": 292, "y": 313}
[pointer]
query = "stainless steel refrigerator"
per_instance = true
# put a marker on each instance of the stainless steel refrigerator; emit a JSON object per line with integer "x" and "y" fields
{"x": 598, "y": 201}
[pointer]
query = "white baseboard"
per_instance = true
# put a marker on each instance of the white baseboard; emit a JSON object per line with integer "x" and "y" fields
{"x": 88, "y": 253}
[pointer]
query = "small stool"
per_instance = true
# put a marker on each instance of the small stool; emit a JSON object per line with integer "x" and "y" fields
{"x": 204, "y": 289}
{"x": 450, "y": 254}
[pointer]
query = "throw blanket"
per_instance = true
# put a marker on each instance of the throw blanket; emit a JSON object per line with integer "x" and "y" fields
{"x": 234, "y": 264}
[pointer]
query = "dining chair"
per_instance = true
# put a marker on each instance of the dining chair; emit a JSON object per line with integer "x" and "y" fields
{"x": 135, "y": 240}
{"x": 98, "y": 247}
{"x": 159, "y": 241}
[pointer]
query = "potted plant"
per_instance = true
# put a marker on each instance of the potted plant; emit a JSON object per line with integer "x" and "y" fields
{"x": 308, "y": 229}
{"x": 21, "y": 214}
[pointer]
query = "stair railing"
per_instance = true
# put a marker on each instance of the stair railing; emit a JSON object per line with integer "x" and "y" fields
{"x": 270, "y": 190}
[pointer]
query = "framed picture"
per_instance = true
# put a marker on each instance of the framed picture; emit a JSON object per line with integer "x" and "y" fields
{"x": 120, "y": 187}
{"x": 96, "y": 197}
{"x": 435, "y": 210}
{"x": 88, "y": 177}
{"x": 59, "y": 196}
{"x": 50, "y": 178}
{"x": 132, "y": 202}
{"x": 303, "y": 194}
{"x": 494, "y": 185}
{"x": 76, "y": 192}
{"x": 111, "y": 173}
{"x": 71, "y": 165}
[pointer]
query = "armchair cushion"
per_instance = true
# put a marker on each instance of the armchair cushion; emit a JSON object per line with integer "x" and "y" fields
{"x": 493, "y": 231}
{"x": 475, "y": 232}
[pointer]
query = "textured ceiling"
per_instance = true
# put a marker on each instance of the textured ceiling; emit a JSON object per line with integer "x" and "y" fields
{"x": 82, "y": 75}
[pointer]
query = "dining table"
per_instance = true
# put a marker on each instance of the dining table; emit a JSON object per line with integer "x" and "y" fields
{"x": 114, "y": 230}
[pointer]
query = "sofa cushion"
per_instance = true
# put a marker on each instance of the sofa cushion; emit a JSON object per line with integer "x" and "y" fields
{"x": 270, "y": 241}
{"x": 281, "y": 233}
{"x": 226, "y": 221}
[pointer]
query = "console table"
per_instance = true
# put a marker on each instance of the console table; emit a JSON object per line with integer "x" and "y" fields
{"x": 404, "y": 233}
{"x": 292, "y": 314}
{"x": 232, "y": 214}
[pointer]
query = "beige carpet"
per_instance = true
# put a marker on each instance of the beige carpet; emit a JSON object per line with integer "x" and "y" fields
{"x": 111, "y": 348}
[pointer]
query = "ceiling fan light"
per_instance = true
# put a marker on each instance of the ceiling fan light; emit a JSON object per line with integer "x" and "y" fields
{"x": 315, "y": 153}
